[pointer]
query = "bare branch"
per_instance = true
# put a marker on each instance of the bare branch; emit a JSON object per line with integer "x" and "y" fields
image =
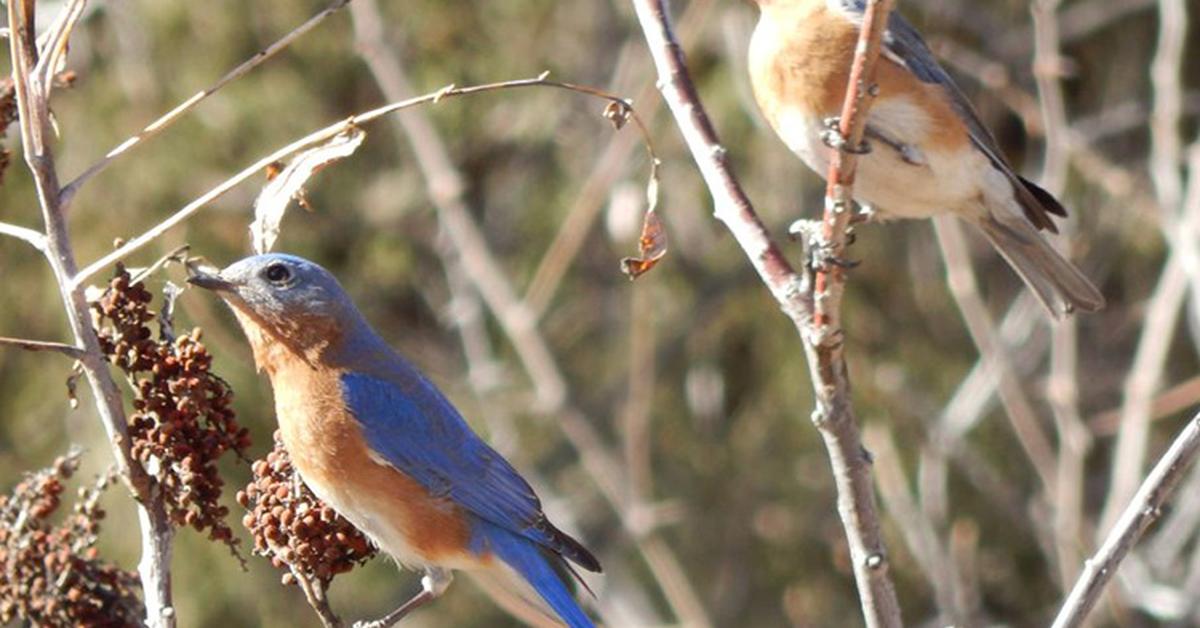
{"x": 982, "y": 329}
{"x": 33, "y": 238}
{"x": 834, "y": 416}
{"x": 323, "y": 135}
{"x": 1145, "y": 507}
{"x": 33, "y": 105}
{"x": 167, "y": 119}
{"x": 1150, "y": 359}
{"x": 1074, "y": 441}
{"x": 42, "y": 345}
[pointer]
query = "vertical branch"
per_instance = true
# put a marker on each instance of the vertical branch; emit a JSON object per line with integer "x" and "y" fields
{"x": 1145, "y": 507}
{"x": 1074, "y": 439}
{"x": 1165, "y": 161}
{"x": 834, "y": 416}
{"x": 33, "y": 92}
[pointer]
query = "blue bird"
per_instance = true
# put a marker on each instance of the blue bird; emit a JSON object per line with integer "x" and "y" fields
{"x": 373, "y": 438}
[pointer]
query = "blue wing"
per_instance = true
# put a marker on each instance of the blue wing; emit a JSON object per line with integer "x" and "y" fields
{"x": 407, "y": 421}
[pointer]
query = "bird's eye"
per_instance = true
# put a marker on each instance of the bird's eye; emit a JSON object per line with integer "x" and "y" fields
{"x": 278, "y": 274}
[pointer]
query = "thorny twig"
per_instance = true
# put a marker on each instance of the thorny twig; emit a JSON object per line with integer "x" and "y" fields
{"x": 834, "y": 415}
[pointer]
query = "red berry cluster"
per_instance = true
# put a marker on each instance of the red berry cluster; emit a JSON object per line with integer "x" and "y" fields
{"x": 182, "y": 421}
{"x": 52, "y": 576}
{"x": 294, "y": 528}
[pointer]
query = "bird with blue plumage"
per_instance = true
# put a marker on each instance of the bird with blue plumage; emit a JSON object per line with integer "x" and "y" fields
{"x": 377, "y": 441}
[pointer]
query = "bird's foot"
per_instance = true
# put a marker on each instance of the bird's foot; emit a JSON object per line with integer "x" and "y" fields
{"x": 832, "y": 137}
{"x": 821, "y": 257}
{"x": 864, "y": 215}
{"x": 433, "y": 585}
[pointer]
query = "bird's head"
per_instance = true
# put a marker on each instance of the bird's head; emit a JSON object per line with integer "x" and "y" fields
{"x": 283, "y": 302}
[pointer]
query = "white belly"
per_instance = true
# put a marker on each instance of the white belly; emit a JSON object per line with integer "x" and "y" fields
{"x": 895, "y": 187}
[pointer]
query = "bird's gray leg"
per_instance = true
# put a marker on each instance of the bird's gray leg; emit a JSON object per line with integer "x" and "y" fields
{"x": 433, "y": 584}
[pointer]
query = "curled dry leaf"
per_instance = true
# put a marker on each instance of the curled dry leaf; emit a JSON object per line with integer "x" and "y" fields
{"x": 288, "y": 183}
{"x": 652, "y": 243}
{"x": 618, "y": 113}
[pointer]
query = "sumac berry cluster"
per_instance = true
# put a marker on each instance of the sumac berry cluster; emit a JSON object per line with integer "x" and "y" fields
{"x": 51, "y": 573}
{"x": 182, "y": 421}
{"x": 294, "y": 528}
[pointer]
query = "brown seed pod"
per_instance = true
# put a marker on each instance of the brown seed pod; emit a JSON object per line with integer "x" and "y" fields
{"x": 52, "y": 576}
{"x": 182, "y": 420}
{"x": 293, "y": 528}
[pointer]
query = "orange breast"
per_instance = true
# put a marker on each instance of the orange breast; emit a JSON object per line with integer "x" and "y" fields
{"x": 801, "y": 56}
{"x": 328, "y": 449}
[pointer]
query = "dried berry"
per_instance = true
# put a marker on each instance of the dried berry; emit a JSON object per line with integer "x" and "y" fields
{"x": 296, "y": 530}
{"x": 182, "y": 420}
{"x": 52, "y": 576}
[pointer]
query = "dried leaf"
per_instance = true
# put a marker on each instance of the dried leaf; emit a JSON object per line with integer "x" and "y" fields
{"x": 652, "y": 244}
{"x": 286, "y": 184}
{"x": 618, "y": 113}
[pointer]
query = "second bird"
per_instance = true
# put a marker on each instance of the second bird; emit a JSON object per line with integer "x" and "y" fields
{"x": 928, "y": 152}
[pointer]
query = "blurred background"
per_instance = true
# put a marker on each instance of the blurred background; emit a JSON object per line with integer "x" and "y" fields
{"x": 704, "y": 489}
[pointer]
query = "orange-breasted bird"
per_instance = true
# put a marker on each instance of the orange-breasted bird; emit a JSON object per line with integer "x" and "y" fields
{"x": 926, "y": 150}
{"x": 377, "y": 441}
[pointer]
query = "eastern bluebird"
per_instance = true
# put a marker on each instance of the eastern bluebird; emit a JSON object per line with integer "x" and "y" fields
{"x": 372, "y": 437}
{"x": 928, "y": 152}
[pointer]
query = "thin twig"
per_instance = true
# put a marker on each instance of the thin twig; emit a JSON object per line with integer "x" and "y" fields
{"x": 326, "y": 133}
{"x": 1074, "y": 441}
{"x": 1145, "y": 507}
{"x": 167, "y": 119}
{"x": 1150, "y": 359}
{"x": 569, "y": 240}
{"x": 33, "y": 105}
{"x": 834, "y": 415}
{"x": 1018, "y": 408}
{"x": 916, "y": 529}
{"x": 41, "y": 345}
{"x": 33, "y": 238}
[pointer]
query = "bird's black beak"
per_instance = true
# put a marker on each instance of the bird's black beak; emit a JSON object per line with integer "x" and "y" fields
{"x": 210, "y": 282}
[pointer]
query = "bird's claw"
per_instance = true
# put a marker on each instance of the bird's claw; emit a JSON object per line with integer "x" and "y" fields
{"x": 821, "y": 257}
{"x": 864, "y": 215}
{"x": 833, "y": 138}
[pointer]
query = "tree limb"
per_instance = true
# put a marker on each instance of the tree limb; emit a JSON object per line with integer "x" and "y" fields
{"x": 834, "y": 415}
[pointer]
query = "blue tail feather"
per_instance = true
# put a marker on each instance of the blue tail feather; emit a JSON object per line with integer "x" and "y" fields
{"x": 527, "y": 559}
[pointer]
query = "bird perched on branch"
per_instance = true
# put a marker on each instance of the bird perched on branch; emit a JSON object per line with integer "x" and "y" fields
{"x": 925, "y": 150}
{"x": 372, "y": 437}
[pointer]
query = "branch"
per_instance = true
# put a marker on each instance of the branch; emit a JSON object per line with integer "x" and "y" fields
{"x": 834, "y": 416}
{"x": 1074, "y": 440}
{"x": 322, "y": 135}
{"x": 167, "y": 119}
{"x": 1142, "y": 510}
{"x": 33, "y": 105}
{"x": 33, "y": 238}
{"x": 41, "y": 345}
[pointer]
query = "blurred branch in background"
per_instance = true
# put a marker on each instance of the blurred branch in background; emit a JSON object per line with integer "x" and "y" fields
{"x": 446, "y": 188}
{"x": 813, "y": 304}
